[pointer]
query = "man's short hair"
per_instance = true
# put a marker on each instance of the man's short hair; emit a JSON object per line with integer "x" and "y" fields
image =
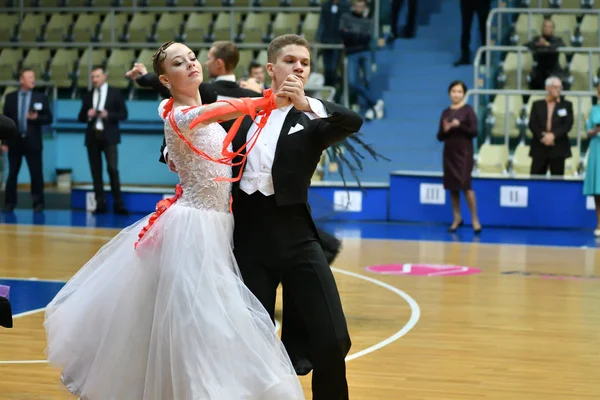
{"x": 228, "y": 52}
{"x": 284, "y": 40}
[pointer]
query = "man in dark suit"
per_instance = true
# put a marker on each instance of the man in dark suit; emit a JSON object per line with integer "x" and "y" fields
{"x": 6, "y": 319}
{"x": 275, "y": 238}
{"x": 102, "y": 109}
{"x": 30, "y": 111}
{"x": 8, "y": 128}
{"x": 550, "y": 121}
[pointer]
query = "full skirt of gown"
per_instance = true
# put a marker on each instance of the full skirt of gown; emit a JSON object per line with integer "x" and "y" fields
{"x": 170, "y": 320}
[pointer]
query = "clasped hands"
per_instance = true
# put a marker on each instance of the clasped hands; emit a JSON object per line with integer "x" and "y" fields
{"x": 452, "y": 124}
{"x": 291, "y": 92}
{"x": 548, "y": 138}
{"x": 93, "y": 113}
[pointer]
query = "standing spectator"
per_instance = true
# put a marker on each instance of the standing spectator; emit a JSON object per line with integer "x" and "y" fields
{"x": 329, "y": 33}
{"x": 591, "y": 184}
{"x": 411, "y": 20}
{"x": 550, "y": 121}
{"x": 102, "y": 109}
{"x": 468, "y": 8}
{"x": 356, "y": 31}
{"x": 458, "y": 128}
{"x": 544, "y": 51}
{"x": 30, "y": 111}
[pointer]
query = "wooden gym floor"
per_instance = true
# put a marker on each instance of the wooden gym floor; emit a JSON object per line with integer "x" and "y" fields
{"x": 525, "y": 325}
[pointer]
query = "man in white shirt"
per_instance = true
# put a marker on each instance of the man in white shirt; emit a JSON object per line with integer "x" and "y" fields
{"x": 275, "y": 238}
{"x": 102, "y": 109}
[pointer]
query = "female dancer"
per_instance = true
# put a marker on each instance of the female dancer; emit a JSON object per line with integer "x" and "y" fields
{"x": 172, "y": 319}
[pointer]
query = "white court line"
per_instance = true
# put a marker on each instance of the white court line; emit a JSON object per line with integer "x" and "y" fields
{"x": 414, "y": 317}
{"x": 415, "y": 314}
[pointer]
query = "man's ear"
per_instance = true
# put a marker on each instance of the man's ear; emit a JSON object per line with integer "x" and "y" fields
{"x": 269, "y": 68}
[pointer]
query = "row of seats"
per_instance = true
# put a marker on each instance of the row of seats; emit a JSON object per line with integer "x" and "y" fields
{"x": 586, "y": 4}
{"x": 495, "y": 159}
{"x": 140, "y": 27}
{"x": 574, "y": 30}
{"x": 69, "y": 68}
{"x": 160, "y": 3}
{"x": 582, "y": 70}
{"x": 517, "y": 113}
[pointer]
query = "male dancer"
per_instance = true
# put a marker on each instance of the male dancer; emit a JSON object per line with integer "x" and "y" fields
{"x": 275, "y": 238}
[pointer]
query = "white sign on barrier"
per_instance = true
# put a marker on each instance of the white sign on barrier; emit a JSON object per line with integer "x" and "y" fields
{"x": 349, "y": 201}
{"x": 590, "y": 204}
{"x": 432, "y": 193}
{"x": 90, "y": 201}
{"x": 514, "y": 196}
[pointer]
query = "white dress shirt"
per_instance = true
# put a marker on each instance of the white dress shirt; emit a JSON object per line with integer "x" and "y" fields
{"x": 98, "y": 102}
{"x": 257, "y": 173}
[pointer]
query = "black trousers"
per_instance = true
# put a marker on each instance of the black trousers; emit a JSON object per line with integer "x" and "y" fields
{"x": 279, "y": 245}
{"x": 6, "y": 319}
{"x": 411, "y": 19}
{"x": 95, "y": 148}
{"x": 33, "y": 156}
{"x": 468, "y": 8}
{"x": 540, "y": 165}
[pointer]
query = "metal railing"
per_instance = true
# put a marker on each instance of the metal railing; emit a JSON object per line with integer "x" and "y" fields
{"x": 520, "y": 50}
{"x": 49, "y": 85}
{"x": 530, "y": 12}
{"x": 577, "y": 112}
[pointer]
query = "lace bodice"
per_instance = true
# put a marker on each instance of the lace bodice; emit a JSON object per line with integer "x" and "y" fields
{"x": 196, "y": 174}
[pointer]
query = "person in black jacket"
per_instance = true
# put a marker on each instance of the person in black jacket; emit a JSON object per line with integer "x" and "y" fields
{"x": 550, "y": 122}
{"x": 8, "y": 128}
{"x": 102, "y": 109}
{"x": 356, "y": 31}
{"x": 5, "y": 309}
{"x": 275, "y": 238}
{"x": 29, "y": 110}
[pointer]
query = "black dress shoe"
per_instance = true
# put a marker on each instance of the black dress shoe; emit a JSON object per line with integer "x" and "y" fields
{"x": 38, "y": 208}
{"x": 99, "y": 210}
{"x": 302, "y": 367}
{"x": 121, "y": 210}
{"x": 9, "y": 207}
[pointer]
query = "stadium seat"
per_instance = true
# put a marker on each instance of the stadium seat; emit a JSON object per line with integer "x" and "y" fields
{"x": 492, "y": 158}
{"x": 31, "y": 28}
{"x": 589, "y": 30}
{"x": 572, "y": 163}
{"x": 85, "y": 27}
{"x": 119, "y": 62}
{"x": 120, "y": 21}
{"x": 169, "y": 27}
{"x": 9, "y": 63}
{"x": 511, "y": 69}
{"x": 581, "y": 108}
{"x": 255, "y": 28}
{"x": 37, "y": 60}
{"x": 525, "y": 32}
{"x": 7, "y": 90}
{"x": 8, "y": 22}
{"x": 246, "y": 56}
{"x": 58, "y": 27}
{"x": 564, "y": 27}
{"x": 310, "y": 26}
{"x": 521, "y": 164}
{"x": 140, "y": 27}
{"x": 197, "y": 27}
{"x": 580, "y": 68}
{"x": 62, "y": 68}
{"x": 500, "y": 111}
{"x": 224, "y": 29}
{"x": 286, "y": 23}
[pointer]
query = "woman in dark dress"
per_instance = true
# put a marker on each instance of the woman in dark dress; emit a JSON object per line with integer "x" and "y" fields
{"x": 458, "y": 128}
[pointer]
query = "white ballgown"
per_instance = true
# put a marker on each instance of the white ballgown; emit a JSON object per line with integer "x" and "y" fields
{"x": 172, "y": 319}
